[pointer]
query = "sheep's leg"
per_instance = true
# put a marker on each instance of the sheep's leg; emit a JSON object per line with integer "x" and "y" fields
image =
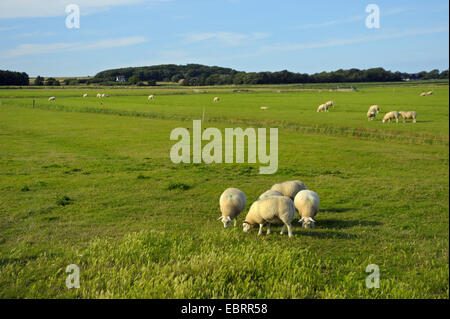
{"x": 268, "y": 229}
{"x": 289, "y": 227}
{"x": 414, "y": 120}
{"x": 235, "y": 222}
{"x": 283, "y": 229}
{"x": 260, "y": 229}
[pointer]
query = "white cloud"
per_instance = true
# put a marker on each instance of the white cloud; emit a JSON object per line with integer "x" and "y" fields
{"x": 348, "y": 41}
{"x": 53, "y": 8}
{"x": 225, "y": 38}
{"x": 35, "y": 49}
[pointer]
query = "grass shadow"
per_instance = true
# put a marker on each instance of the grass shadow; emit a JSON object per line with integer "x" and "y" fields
{"x": 341, "y": 224}
{"x": 337, "y": 210}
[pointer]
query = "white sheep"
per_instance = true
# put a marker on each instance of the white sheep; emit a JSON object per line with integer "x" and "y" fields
{"x": 289, "y": 188}
{"x": 105, "y": 95}
{"x": 269, "y": 193}
{"x": 330, "y": 103}
{"x": 270, "y": 210}
{"x": 408, "y": 115}
{"x": 390, "y": 116}
{"x": 322, "y": 108}
{"x": 85, "y": 95}
{"x": 99, "y": 95}
{"x": 216, "y": 99}
{"x": 375, "y": 108}
{"x": 423, "y": 94}
{"x": 371, "y": 115}
{"x": 151, "y": 97}
{"x": 430, "y": 92}
{"x": 265, "y": 107}
{"x": 307, "y": 203}
{"x": 232, "y": 203}
{"x": 52, "y": 98}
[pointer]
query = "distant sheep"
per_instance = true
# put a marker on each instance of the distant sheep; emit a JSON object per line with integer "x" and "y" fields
{"x": 323, "y": 108}
{"x": 430, "y": 92}
{"x": 408, "y": 115}
{"x": 423, "y": 94}
{"x": 232, "y": 203}
{"x": 269, "y": 193}
{"x": 375, "y": 108}
{"x": 307, "y": 203}
{"x": 265, "y": 107}
{"x": 85, "y": 95}
{"x": 99, "y": 95}
{"x": 371, "y": 115}
{"x": 105, "y": 95}
{"x": 390, "y": 116}
{"x": 52, "y": 98}
{"x": 289, "y": 188}
{"x": 270, "y": 210}
{"x": 151, "y": 97}
{"x": 216, "y": 99}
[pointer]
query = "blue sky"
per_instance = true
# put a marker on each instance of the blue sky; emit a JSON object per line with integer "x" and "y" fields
{"x": 247, "y": 35}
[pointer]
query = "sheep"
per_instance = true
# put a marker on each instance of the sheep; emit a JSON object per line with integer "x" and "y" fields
{"x": 52, "y": 98}
{"x": 408, "y": 115}
{"x": 371, "y": 115}
{"x": 330, "y": 103}
{"x": 269, "y": 193}
{"x": 423, "y": 94}
{"x": 151, "y": 97}
{"x": 322, "y": 108}
{"x": 99, "y": 95}
{"x": 105, "y": 95}
{"x": 232, "y": 203}
{"x": 216, "y": 99}
{"x": 430, "y": 92}
{"x": 270, "y": 210}
{"x": 307, "y": 203}
{"x": 265, "y": 107}
{"x": 390, "y": 116}
{"x": 289, "y": 188}
{"x": 375, "y": 108}
{"x": 85, "y": 95}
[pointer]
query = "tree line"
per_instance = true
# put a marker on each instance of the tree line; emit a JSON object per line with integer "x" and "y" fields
{"x": 196, "y": 74}
{"x": 13, "y": 78}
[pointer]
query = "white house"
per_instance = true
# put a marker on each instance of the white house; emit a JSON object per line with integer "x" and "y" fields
{"x": 120, "y": 78}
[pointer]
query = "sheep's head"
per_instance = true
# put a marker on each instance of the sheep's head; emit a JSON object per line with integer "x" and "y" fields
{"x": 307, "y": 222}
{"x": 246, "y": 227}
{"x": 225, "y": 220}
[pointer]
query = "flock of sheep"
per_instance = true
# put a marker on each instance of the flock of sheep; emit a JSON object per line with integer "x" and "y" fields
{"x": 375, "y": 109}
{"x": 274, "y": 206}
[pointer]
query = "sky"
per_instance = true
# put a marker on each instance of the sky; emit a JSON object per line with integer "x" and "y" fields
{"x": 246, "y": 35}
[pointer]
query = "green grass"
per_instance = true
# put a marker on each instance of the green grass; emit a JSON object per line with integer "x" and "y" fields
{"x": 81, "y": 187}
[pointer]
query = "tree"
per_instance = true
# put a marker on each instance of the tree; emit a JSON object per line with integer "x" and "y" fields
{"x": 52, "y": 82}
{"x": 39, "y": 81}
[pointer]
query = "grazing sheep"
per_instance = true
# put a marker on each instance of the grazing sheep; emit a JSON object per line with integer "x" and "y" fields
{"x": 289, "y": 188}
{"x": 430, "y": 92}
{"x": 52, "y": 98}
{"x": 276, "y": 209}
{"x": 151, "y": 97}
{"x": 99, "y": 95}
{"x": 232, "y": 203}
{"x": 269, "y": 193}
{"x": 375, "y": 108}
{"x": 216, "y": 99}
{"x": 307, "y": 203}
{"x": 265, "y": 107}
{"x": 85, "y": 95}
{"x": 423, "y": 94}
{"x": 322, "y": 108}
{"x": 330, "y": 103}
{"x": 390, "y": 116}
{"x": 371, "y": 115}
{"x": 408, "y": 115}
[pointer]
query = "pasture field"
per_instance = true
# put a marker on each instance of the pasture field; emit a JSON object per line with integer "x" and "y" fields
{"x": 78, "y": 186}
